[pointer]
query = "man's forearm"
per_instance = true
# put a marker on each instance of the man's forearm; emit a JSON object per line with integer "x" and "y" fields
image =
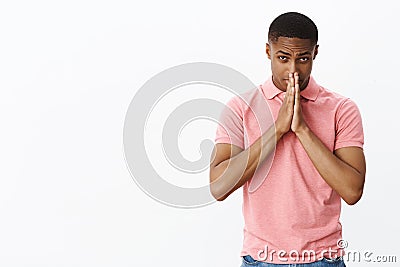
{"x": 343, "y": 178}
{"x": 232, "y": 173}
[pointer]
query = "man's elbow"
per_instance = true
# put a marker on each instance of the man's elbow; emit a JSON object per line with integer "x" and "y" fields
{"x": 353, "y": 197}
{"x": 220, "y": 198}
{"x": 217, "y": 191}
{"x": 217, "y": 195}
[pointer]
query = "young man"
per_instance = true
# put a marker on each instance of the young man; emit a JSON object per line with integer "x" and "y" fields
{"x": 314, "y": 148}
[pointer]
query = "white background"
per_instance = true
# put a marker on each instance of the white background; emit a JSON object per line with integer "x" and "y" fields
{"x": 68, "y": 71}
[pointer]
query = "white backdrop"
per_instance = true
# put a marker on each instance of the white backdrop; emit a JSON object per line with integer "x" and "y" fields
{"x": 68, "y": 71}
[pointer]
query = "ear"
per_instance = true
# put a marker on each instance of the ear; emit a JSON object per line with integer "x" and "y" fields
{"x": 315, "y": 51}
{"x": 268, "y": 50}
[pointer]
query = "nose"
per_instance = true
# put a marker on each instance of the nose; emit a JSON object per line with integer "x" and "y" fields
{"x": 292, "y": 67}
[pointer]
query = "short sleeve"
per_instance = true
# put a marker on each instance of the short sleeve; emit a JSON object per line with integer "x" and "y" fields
{"x": 230, "y": 128}
{"x": 349, "y": 129}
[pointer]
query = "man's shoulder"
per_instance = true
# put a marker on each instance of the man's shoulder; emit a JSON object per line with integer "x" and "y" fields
{"x": 330, "y": 96}
{"x": 246, "y": 98}
{"x": 334, "y": 101}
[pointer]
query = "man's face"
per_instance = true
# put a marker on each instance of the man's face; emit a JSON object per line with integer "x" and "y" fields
{"x": 289, "y": 55}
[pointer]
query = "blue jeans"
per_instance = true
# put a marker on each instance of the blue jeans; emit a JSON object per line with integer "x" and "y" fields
{"x": 248, "y": 261}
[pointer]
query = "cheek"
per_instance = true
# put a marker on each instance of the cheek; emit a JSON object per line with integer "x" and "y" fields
{"x": 305, "y": 69}
{"x": 277, "y": 66}
{"x": 308, "y": 66}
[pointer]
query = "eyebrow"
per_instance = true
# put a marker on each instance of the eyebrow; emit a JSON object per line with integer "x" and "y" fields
{"x": 283, "y": 52}
{"x": 299, "y": 55}
{"x": 304, "y": 53}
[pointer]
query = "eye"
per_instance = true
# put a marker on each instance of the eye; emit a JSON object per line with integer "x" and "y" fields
{"x": 282, "y": 57}
{"x": 304, "y": 59}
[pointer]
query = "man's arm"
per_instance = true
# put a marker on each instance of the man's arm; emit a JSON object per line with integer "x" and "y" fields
{"x": 232, "y": 166}
{"x": 344, "y": 170}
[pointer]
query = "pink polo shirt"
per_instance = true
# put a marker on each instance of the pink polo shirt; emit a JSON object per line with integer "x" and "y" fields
{"x": 288, "y": 208}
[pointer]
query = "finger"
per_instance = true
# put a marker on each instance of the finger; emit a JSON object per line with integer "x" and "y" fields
{"x": 288, "y": 88}
{"x": 296, "y": 84}
{"x": 291, "y": 80}
{"x": 290, "y": 95}
{"x": 297, "y": 97}
{"x": 296, "y": 78}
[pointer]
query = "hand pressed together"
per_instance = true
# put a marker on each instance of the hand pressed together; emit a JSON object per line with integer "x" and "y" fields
{"x": 290, "y": 116}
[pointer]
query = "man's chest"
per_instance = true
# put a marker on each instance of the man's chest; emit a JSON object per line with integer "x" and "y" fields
{"x": 320, "y": 118}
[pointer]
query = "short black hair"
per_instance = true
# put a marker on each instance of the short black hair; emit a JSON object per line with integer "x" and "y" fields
{"x": 293, "y": 25}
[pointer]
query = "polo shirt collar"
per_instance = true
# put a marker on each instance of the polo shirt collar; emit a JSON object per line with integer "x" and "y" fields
{"x": 310, "y": 92}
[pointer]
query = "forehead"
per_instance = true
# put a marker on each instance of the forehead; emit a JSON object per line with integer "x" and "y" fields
{"x": 292, "y": 45}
